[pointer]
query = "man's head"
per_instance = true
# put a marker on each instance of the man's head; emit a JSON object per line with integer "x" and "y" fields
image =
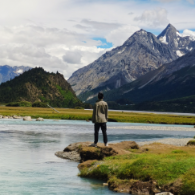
{"x": 100, "y": 95}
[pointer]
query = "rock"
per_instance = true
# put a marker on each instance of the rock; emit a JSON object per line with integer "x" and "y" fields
{"x": 191, "y": 143}
{"x": 144, "y": 188}
{"x": 105, "y": 184}
{"x": 76, "y": 146}
{"x": 10, "y": 117}
{"x": 39, "y": 119}
{"x": 5, "y": 117}
{"x": 17, "y": 117}
{"x": 27, "y": 118}
{"x": 164, "y": 193}
{"x": 74, "y": 156}
{"x": 1, "y": 116}
{"x": 96, "y": 153}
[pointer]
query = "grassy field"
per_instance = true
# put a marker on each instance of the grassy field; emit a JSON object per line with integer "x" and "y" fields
{"x": 165, "y": 165}
{"x": 79, "y": 114}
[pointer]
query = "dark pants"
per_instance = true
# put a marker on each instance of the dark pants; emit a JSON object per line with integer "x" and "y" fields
{"x": 96, "y": 132}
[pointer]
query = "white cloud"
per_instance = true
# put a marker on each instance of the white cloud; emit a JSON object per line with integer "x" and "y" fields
{"x": 187, "y": 32}
{"x": 58, "y": 35}
{"x": 157, "y": 17}
{"x": 72, "y": 57}
{"x": 120, "y": 35}
{"x": 167, "y": 1}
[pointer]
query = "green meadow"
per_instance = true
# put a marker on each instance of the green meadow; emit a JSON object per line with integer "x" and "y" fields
{"x": 165, "y": 165}
{"x": 81, "y": 114}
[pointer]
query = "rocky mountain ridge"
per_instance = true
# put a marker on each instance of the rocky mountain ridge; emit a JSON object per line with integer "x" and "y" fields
{"x": 143, "y": 52}
{"x": 178, "y": 43}
{"x": 8, "y": 72}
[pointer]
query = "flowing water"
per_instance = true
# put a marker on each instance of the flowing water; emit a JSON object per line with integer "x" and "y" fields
{"x": 28, "y": 164}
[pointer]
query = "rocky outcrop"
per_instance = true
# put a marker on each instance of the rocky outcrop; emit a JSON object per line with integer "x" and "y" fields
{"x": 82, "y": 152}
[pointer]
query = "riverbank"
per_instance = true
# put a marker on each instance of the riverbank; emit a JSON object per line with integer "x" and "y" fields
{"x": 145, "y": 169}
{"x": 80, "y": 114}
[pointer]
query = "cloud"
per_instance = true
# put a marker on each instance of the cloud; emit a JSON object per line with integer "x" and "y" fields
{"x": 101, "y": 25}
{"x": 51, "y": 48}
{"x": 168, "y": 1}
{"x": 120, "y": 35}
{"x": 72, "y": 57}
{"x": 155, "y": 17}
{"x": 187, "y": 32}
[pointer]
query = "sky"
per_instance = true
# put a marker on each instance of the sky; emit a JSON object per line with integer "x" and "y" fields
{"x": 65, "y": 35}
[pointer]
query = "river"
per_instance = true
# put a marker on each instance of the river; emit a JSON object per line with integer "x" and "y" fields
{"x": 28, "y": 164}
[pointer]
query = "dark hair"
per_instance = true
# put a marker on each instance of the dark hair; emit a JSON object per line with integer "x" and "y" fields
{"x": 100, "y": 95}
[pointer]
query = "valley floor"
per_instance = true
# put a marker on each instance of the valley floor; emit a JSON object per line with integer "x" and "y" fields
{"x": 114, "y": 116}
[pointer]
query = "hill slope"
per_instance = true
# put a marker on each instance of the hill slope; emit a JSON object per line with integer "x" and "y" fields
{"x": 38, "y": 85}
{"x": 170, "y": 81}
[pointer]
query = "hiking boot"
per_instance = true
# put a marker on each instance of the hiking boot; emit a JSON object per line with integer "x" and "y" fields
{"x": 93, "y": 145}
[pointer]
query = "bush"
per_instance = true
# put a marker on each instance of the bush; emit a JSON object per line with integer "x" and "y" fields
{"x": 39, "y": 104}
{"x": 20, "y": 104}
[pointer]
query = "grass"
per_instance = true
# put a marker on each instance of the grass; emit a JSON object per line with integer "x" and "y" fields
{"x": 163, "y": 164}
{"x": 79, "y": 114}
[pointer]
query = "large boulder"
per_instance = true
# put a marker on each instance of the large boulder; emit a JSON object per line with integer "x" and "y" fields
{"x": 27, "y": 118}
{"x": 16, "y": 117}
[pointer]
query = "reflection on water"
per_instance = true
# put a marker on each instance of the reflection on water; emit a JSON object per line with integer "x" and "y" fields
{"x": 28, "y": 164}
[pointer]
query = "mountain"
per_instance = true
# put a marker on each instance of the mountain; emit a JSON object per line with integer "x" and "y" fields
{"x": 170, "y": 81}
{"x": 38, "y": 85}
{"x": 176, "y": 42}
{"x": 141, "y": 53}
{"x": 9, "y": 72}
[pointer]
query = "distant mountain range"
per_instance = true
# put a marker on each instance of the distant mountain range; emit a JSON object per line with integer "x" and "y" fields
{"x": 37, "y": 85}
{"x": 8, "y": 72}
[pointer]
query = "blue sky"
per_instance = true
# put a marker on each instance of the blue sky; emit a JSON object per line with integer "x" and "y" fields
{"x": 104, "y": 44}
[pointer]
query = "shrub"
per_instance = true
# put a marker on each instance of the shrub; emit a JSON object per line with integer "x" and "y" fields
{"x": 39, "y": 104}
{"x": 20, "y": 104}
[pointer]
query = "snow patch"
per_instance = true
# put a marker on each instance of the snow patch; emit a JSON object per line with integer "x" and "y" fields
{"x": 179, "y": 53}
{"x": 163, "y": 39}
{"x": 20, "y": 71}
{"x": 180, "y": 35}
{"x": 121, "y": 51}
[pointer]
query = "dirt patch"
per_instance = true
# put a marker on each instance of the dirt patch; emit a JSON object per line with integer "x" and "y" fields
{"x": 144, "y": 188}
{"x": 86, "y": 164}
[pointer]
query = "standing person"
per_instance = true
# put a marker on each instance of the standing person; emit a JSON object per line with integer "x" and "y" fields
{"x": 100, "y": 118}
